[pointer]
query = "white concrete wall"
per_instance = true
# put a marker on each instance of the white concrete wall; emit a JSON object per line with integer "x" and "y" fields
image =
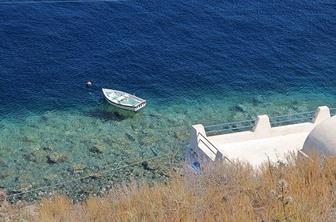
{"x": 235, "y": 145}
{"x": 322, "y": 139}
{"x": 200, "y": 142}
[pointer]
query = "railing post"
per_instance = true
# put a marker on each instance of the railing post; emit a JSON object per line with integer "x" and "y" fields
{"x": 196, "y": 129}
{"x": 262, "y": 125}
{"x": 322, "y": 113}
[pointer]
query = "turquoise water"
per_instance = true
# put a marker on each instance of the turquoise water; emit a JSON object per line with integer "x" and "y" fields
{"x": 194, "y": 62}
{"x": 93, "y": 139}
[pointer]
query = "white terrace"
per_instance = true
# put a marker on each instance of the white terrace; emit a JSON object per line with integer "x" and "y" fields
{"x": 260, "y": 143}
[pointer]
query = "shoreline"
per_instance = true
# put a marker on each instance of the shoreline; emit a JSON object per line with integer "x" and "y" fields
{"x": 47, "y": 148}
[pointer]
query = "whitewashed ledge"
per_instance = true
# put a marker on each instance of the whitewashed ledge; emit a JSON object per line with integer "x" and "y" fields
{"x": 255, "y": 146}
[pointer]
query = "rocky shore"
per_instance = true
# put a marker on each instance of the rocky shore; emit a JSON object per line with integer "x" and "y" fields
{"x": 51, "y": 149}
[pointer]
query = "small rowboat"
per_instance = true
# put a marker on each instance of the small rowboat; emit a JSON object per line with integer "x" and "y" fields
{"x": 123, "y": 100}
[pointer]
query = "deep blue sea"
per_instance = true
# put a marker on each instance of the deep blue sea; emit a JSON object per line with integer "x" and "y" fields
{"x": 194, "y": 62}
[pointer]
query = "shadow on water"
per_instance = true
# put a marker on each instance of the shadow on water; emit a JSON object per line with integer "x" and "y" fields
{"x": 108, "y": 112}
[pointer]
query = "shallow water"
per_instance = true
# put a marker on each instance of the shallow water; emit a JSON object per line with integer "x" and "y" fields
{"x": 194, "y": 62}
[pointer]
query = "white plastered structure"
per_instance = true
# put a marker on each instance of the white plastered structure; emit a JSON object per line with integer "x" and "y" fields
{"x": 262, "y": 143}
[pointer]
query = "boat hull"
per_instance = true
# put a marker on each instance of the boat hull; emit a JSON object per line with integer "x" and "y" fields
{"x": 134, "y": 109}
{"x": 133, "y": 104}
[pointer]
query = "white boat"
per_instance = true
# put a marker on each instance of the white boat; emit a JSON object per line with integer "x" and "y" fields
{"x": 124, "y": 100}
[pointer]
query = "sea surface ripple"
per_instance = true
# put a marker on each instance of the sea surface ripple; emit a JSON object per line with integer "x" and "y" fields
{"x": 194, "y": 61}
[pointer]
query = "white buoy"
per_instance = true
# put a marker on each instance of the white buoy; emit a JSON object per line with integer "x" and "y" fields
{"x": 88, "y": 84}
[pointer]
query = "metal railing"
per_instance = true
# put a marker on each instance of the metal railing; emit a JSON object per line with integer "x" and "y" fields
{"x": 292, "y": 118}
{"x": 239, "y": 126}
{"x": 229, "y": 127}
{"x": 214, "y": 150}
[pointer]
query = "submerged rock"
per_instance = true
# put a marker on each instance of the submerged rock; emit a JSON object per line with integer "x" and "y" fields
{"x": 37, "y": 156}
{"x": 48, "y": 147}
{"x": 148, "y": 166}
{"x": 50, "y": 177}
{"x": 148, "y": 140}
{"x": 78, "y": 168}
{"x": 5, "y": 174}
{"x": 27, "y": 139}
{"x": 257, "y": 100}
{"x": 2, "y": 162}
{"x": 97, "y": 148}
{"x": 241, "y": 117}
{"x": 96, "y": 175}
{"x": 240, "y": 108}
{"x": 56, "y": 157}
{"x": 23, "y": 187}
{"x": 130, "y": 137}
{"x": 181, "y": 135}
